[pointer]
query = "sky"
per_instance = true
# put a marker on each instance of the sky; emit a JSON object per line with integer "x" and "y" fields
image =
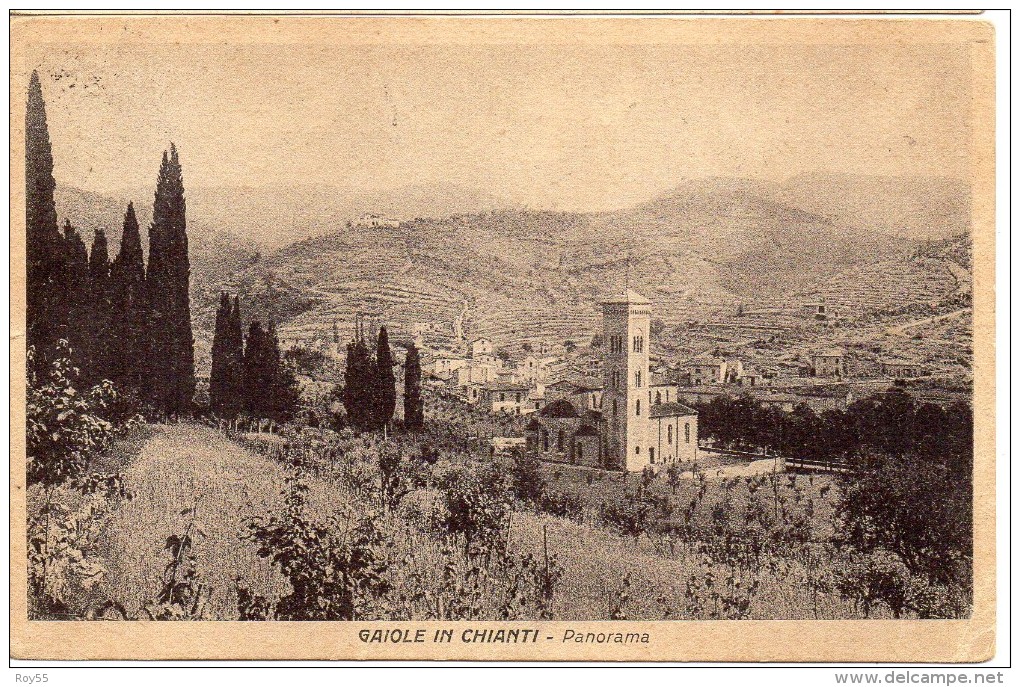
{"x": 571, "y": 127}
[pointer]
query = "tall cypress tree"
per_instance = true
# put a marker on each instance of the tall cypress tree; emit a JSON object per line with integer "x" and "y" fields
{"x": 101, "y": 339}
{"x": 414, "y": 415}
{"x": 129, "y": 311}
{"x": 234, "y": 369}
{"x": 359, "y": 378}
{"x": 43, "y": 244}
{"x": 219, "y": 376}
{"x": 256, "y": 371}
{"x": 172, "y": 353}
{"x": 282, "y": 394}
{"x": 74, "y": 310}
{"x": 385, "y": 383}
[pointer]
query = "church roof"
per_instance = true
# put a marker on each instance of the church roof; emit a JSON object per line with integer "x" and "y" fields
{"x": 628, "y": 296}
{"x": 671, "y": 410}
{"x": 561, "y": 408}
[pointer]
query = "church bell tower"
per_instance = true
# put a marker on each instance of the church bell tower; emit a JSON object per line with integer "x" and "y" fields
{"x": 625, "y": 322}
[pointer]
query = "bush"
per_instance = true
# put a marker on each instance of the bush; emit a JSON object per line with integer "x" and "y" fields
{"x": 562, "y": 505}
{"x": 333, "y": 568}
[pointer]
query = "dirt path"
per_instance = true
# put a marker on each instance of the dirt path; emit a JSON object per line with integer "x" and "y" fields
{"x": 900, "y": 329}
{"x": 180, "y": 467}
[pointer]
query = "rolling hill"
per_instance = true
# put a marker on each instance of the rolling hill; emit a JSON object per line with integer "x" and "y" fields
{"x": 513, "y": 274}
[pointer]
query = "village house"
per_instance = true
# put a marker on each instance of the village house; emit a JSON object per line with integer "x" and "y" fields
{"x": 818, "y": 310}
{"x": 899, "y": 368}
{"x": 477, "y": 372}
{"x": 373, "y": 221}
{"x": 482, "y": 350}
{"x": 710, "y": 369}
{"x": 538, "y": 368}
{"x": 506, "y": 399}
{"x": 827, "y": 363}
{"x": 447, "y": 363}
{"x": 661, "y": 389}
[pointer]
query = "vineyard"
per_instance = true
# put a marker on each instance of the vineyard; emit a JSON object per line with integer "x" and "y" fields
{"x": 316, "y": 524}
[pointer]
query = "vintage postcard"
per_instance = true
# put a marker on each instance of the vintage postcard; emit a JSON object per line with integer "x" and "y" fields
{"x": 502, "y": 338}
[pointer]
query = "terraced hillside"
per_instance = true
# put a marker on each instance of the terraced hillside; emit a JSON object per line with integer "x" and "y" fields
{"x": 516, "y": 275}
{"x": 723, "y": 253}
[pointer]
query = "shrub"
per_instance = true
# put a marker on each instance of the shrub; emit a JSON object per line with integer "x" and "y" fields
{"x": 333, "y": 568}
{"x": 561, "y": 504}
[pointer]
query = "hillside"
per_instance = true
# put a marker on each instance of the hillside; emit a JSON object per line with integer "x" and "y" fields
{"x": 276, "y": 216}
{"x": 697, "y": 251}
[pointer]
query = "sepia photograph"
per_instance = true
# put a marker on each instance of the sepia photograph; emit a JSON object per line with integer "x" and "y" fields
{"x": 513, "y": 336}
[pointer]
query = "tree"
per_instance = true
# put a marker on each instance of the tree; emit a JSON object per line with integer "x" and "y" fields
{"x": 172, "y": 350}
{"x": 43, "y": 245}
{"x": 257, "y": 371}
{"x": 100, "y": 315}
{"x": 219, "y": 382}
{"x": 283, "y": 392}
{"x": 358, "y": 380}
{"x": 234, "y": 369}
{"x": 385, "y": 383}
{"x": 129, "y": 311}
{"x": 414, "y": 411}
{"x": 74, "y": 301}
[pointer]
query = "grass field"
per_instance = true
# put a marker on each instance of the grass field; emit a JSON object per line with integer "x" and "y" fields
{"x": 170, "y": 469}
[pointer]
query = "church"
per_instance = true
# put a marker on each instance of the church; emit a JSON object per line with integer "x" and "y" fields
{"x": 630, "y": 430}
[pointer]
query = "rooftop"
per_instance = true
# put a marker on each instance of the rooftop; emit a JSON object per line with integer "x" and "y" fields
{"x": 671, "y": 410}
{"x": 627, "y": 297}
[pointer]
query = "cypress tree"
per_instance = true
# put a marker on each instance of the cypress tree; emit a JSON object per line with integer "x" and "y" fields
{"x": 282, "y": 394}
{"x": 43, "y": 244}
{"x": 75, "y": 299}
{"x": 172, "y": 352}
{"x": 129, "y": 311}
{"x": 414, "y": 416}
{"x": 384, "y": 388}
{"x": 234, "y": 369}
{"x": 256, "y": 371}
{"x": 358, "y": 383}
{"x": 219, "y": 377}
{"x": 101, "y": 340}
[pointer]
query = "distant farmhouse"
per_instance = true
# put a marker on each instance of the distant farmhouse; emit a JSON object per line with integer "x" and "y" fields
{"x": 374, "y": 222}
{"x": 630, "y": 430}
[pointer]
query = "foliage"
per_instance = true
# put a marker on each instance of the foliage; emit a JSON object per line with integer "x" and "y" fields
{"x": 226, "y": 380}
{"x": 333, "y": 568}
{"x": 414, "y": 407}
{"x": 384, "y": 387}
{"x": 269, "y": 387}
{"x": 478, "y": 500}
{"x": 528, "y": 480}
{"x": 64, "y": 428}
{"x": 561, "y": 504}
{"x": 878, "y": 576}
{"x": 62, "y": 542}
{"x": 43, "y": 245}
{"x": 171, "y": 351}
{"x": 182, "y": 596}
{"x": 129, "y": 304}
{"x": 918, "y": 507}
